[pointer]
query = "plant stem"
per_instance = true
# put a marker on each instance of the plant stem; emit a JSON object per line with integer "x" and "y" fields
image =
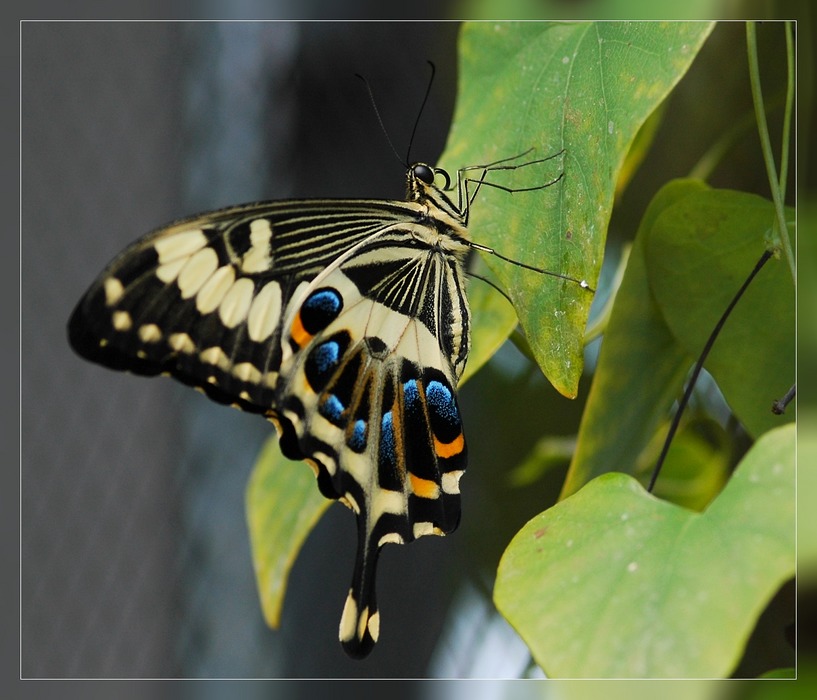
{"x": 787, "y": 114}
{"x": 682, "y": 404}
{"x": 766, "y": 147}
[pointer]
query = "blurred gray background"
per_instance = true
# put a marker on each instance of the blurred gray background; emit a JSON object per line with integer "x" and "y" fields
{"x": 135, "y": 555}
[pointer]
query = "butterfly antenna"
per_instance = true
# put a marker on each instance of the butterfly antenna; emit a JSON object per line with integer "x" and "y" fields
{"x": 380, "y": 119}
{"x": 485, "y": 249}
{"x": 491, "y": 284}
{"x": 422, "y": 108}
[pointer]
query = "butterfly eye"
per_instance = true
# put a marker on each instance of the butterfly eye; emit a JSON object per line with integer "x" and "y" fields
{"x": 444, "y": 173}
{"x": 424, "y": 173}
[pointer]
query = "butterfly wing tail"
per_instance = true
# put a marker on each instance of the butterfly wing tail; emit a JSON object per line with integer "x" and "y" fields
{"x": 360, "y": 621}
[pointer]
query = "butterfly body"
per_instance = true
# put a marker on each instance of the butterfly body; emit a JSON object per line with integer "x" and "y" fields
{"x": 344, "y": 322}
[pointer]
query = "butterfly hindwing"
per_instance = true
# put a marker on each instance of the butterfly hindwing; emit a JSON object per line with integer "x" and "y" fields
{"x": 366, "y": 393}
{"x": 345, "y": 322}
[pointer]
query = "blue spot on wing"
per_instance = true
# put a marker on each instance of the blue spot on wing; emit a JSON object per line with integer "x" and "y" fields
{"x": 326, "y": 355}
{"x": 320, "y": 309}
{"x": 441, "y": 400}
{"x": 324, "y": 300}
{"x": 443, "y": 415}
{"x": 357, "y": 439}
{"x": 411, "y": 396}
{"x": 331, "y": 408}
{"x": 387, "y": 443}
{"x": 321, "y": 364}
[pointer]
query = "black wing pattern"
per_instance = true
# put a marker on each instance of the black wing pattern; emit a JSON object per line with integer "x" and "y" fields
{"x": 344, "y": 322}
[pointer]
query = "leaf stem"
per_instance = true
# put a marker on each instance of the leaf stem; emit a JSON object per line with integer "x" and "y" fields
{"x": 682, "y": 404}
{"x": 787, "y": 115}
{"x": 775, "y": 181}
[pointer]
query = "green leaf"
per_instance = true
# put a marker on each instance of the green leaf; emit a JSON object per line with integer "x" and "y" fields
{"x": 549, "y": 452}
{"x": 807, "y": 487}
{"x": 610, "y": 9}
{"x": 780, "y": 673}
{"x": 580, "y": 93}
{"x": 496, "y": 321}
{"x": 613, "y": 582}
{"x": 699, "y": 252}
{"x": 640, "y": 370}
{"x": 693, "y": 250}
{"x": 283, "y": 505}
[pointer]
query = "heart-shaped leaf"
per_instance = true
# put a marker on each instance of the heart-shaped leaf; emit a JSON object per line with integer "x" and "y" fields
{"x": 699, "y": 252}
{"x": 613, "y": 582}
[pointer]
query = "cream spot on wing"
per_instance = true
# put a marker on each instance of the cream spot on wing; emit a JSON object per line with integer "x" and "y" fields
{"x": 213, "y": 291}
{"x": 181, "y": 342}
{"x": 215, "y": 356}
{"x": 113, "y": 291}
{"x": 122, "y": 321}
{"x": 390, "y": 538}
{"x": 348, "y": 619}
{"x": 296, "y": 299}
{"x": 362, "y": 623}
{"x": 374, "y": 626}
{"x": 386, "y": 501}
{"x": 259, "y": 257}
{"x": 150, "y": 333}
{"x": 265, "y": 312}
{"x": 451, "y": 481}
{"x": 247, "y": 372}
{"x": 422, "y": 529}
{"x": 349, "y": 501}
{"x": 179, "y": 245}
{"x": 236, "y": 303}
{"x": 170, "y": 271}
{"x": 331, "y": 466}
{"x": 196, "y": 271}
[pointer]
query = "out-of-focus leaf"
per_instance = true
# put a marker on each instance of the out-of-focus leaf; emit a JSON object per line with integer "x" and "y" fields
{"x": 283, "y": 505}
{"x": 699, "y": 252}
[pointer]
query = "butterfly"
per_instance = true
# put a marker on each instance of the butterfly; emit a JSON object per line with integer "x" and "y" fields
{"x": 343, "y": 322}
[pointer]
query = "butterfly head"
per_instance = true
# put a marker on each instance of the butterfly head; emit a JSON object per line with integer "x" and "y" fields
{"x": 421, "y": 176}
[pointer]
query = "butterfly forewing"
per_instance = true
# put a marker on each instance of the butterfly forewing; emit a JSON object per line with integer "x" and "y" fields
{"x": 345, "y": 322}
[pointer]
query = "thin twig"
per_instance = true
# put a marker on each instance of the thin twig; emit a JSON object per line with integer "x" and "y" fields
{"x": 676, "y": 420}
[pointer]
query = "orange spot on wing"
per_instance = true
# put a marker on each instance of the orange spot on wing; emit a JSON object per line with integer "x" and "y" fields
{"x": 424, "y": 488}
{"x": 299, "y": 334}
{"x": 449, "y": 449}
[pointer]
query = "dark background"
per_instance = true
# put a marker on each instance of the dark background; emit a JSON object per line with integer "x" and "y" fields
{"x": 135, "y": 558}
